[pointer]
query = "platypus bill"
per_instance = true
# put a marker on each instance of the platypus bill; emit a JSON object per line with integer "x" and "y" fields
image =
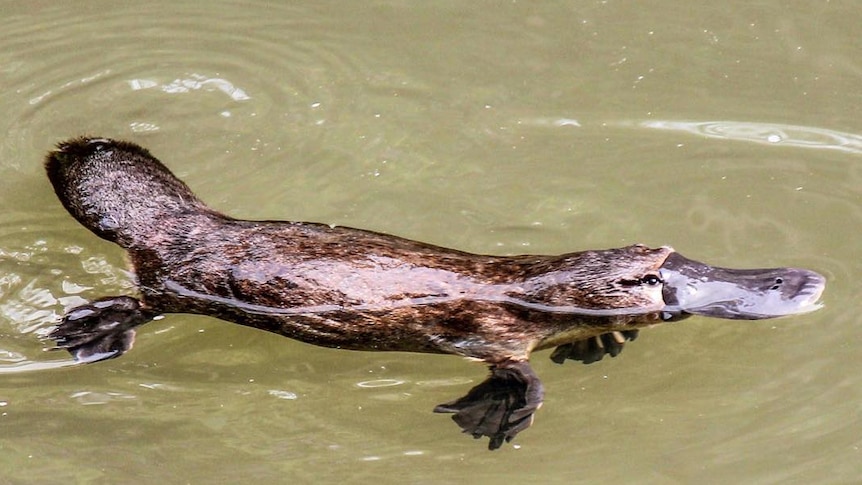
{"x": 353, "y": 289}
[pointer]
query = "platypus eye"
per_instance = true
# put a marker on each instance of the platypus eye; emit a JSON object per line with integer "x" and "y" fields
{"x": 651, "y": 280}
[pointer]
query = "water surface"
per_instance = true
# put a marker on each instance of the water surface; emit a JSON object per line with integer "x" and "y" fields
{"x": 730, "y": 132}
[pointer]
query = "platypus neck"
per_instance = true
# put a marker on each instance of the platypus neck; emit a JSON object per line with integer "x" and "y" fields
{"x": 118, "y": 190}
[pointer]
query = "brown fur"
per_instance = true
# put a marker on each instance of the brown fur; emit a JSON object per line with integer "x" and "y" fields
{"x": 342, "y": 287}
{"x": 355, "y": 289}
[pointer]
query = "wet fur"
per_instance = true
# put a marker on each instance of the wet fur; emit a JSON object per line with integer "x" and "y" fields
{"x": 354, "y": 289}
{"x": 363, "y": 290}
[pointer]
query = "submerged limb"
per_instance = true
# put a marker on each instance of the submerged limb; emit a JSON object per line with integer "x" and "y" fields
{"x": 594, "y": 349}
{"x": 501, "y": 406}
{"x": 102, "y": 329}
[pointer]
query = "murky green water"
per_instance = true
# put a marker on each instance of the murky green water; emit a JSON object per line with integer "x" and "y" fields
{"x": 730, "y": 131}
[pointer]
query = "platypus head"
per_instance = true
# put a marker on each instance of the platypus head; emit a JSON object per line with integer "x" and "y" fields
{"x": 693, "y": 288}
{"x": 638, "y": 280}
{"x": 117, "y": 189}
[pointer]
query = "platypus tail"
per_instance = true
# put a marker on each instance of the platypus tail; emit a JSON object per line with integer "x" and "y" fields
{"x": 117, "y": 189}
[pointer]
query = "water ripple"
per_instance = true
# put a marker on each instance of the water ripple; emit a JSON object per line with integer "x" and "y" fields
{"x": 380, "y": 383}
{"x": 193, "y": 82}
{"x": 41, "y": 275}
{"x": 765, "y": 133}
{"x": 280, "y": 71}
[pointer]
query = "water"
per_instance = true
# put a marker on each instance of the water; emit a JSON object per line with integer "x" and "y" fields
{"x": 730, "y": 132}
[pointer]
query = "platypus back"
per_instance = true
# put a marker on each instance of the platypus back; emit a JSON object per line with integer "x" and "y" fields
{"x": 118, "y": 190}
{"x": 353, "y": 289}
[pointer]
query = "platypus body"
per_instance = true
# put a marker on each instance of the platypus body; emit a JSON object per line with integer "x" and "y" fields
{"x": 354, "y": 289}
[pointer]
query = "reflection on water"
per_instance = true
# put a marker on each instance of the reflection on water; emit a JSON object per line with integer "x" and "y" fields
{"x": 756, "y": 132}
{"x": 282, "y": 394}
{"x": 380, "y": 383}
{"x": 191, "y": 83}
{"x": 36, "y": 289}
{"x": 68, "y": 85}
{"x": 88, "y": 398}
{"x": 766, "y": 133}
{"x": 32, "y": 366}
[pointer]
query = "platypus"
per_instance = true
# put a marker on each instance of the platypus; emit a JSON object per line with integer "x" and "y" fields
{"x": 362, "y": 290}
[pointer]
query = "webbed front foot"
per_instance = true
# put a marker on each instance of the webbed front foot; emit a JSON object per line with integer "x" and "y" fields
{"x": 102, "y": 329}
{"x": 594, "y": 348}
{"x": 501, "y": 406}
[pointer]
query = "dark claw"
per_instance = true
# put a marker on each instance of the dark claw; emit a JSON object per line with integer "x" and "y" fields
{"x": 501, "y": 406}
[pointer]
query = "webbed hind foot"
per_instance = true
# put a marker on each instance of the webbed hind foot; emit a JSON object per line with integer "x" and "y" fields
{"x": 501, "y": 406}
{"x": 100, "y": 330}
